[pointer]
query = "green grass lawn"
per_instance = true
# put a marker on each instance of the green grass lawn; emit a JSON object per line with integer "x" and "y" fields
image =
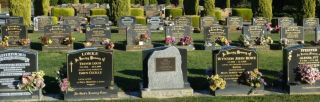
{"x": 128, "y": 68}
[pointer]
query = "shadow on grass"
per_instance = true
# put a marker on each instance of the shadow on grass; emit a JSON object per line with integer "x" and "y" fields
{"x": 36, "y": 46}
{"x": 120, "y": 45}
{"x": 52, "y": 85}
{"x": 131, "y": 72}
{"x": 273, "y": 84}
{"x": 127, "y": 84}
{"x": 78, "y": 45}
{"x": 197, "y": 82}
{"x": 158, "y": 43}
{"x": 199, "y": 45}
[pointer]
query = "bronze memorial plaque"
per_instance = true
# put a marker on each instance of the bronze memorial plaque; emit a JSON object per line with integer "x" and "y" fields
{"x": 165, "y": 64}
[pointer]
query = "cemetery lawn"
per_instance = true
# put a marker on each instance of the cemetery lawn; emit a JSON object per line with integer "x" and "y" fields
{"x": 128, "y": 67}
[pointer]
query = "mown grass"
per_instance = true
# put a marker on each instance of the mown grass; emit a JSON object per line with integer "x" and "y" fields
{"x": 128, "y": 68}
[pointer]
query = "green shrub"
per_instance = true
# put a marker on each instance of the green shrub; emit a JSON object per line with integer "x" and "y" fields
{"x": 218, "y": 14}
{"x": 191, "y": 7}
{"x": 180, "y": 3}
{"x": 195, "y": 21}
{"x": 98, "y": 11}
{"x": 41, "y": 7}
{"x": 174, "y": 12}
{"x": 54, "y": 2}
{"x": 102, "y": 1}
{"x": 55, "y": 20}
{"x": 88, "y": 1}
{"x": 118, "y": 9}
{"x": 228, "y": 4}
{"x": 21, "y": 8}
{"x": 245, "y": 13}
{"x": 262, "y": 8}
{"x": 167, "y": 2}
{"x": 141, "y": 20}
{"x": 137, "y": 12}
{"x": 153, "y": 1}
{"x": 309, "y": 8}
{"x": 57, "y": 12}
{"x": 65, "y": 1}
{"x": 209, "y": 6}
{"x": 76, "y": 2}
{"x": 145, "y": 2}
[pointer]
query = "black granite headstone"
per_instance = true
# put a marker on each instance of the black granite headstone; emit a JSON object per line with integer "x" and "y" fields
{"x": 57, "y": 33}
{"x": 211, "y": 33}
{"x": 15, "y": 34}
{"x": 72, "y": 21}
{"x": 293, "y": 34}
{"x": 135, "y": 40}
{"x": 96, "y": 34}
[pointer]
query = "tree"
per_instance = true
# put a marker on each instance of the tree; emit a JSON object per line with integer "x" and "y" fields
{"x": 21, "y": 8}
{"x": 41, "y": 7}
{"x": 191, "y": 7}
{"x": 228, "y": 4}
{"x": 167, "y": 2}
{"x": 262, "y": 8}
{"x": 209, "y": 6}
{"x": 119, "y": 8}
{"x": 309, "y": 8}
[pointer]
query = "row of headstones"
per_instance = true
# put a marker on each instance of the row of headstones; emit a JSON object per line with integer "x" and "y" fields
{"x": 90, "y": 72}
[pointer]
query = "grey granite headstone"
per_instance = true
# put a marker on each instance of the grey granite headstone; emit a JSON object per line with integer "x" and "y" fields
{"x": 234, "y": 22}
{"x": 211, "y": 33}
{"x": 285, "y": 22}
{"x": 310, "y": 23}
{"x": 100, "y": 20}
{"x": 183, "y": 21}
{"x": 126, "y": 21}
{"x": 259, "y": 21}
{"x": 293, "y": 34}
{"x": 40, "y": 21}
{"x": 155, "y": 23}
{"x": 73, "y": 22}
{"x": 207, "y": 21}
{"x": 317, "y": 34}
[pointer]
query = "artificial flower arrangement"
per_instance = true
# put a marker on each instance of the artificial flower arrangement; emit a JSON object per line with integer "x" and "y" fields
{"x": 24, "y": 42}
{"x": 222, "y": 41}
{"x": 64, "y": 83}
{"x": 308, "y": 74}
{"x": 105, "y": 42}
{"x": 5, "y": 42}
{"x": 169, "y": 40}
{"x": 31, "y": 82}
{"x": 143, "y": 38}
{"x": 45, "y": 40}
{"x": 266, "y": 40}
{"x": 215, "y": 82}
{"x": 252, "y": 78}
{"x": 68, "y": 40}
{"x": 185, "y": 40}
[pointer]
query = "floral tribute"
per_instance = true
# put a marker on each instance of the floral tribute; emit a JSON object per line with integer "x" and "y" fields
{"x": 308, "y": 74}
{"x": 46, "y": 40}
{"x": 67, "y": 40}
{"x": 5, "y": 42}
{"x": 215, "y": 82}
{"x": 24, "y": 42}
{"x": 222, "y": 41}
{"x": 105, "y": 42}
{"x": 64, "y": 83}
{"x": 169, "y": 40}
{"x": 31, "y": 82}
{"x": 142, "y": 39}
{"x": 185, "y": 40}
{"x": 252, "y": 78}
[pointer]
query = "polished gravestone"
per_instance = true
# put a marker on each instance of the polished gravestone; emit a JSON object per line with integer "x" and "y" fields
{"x": 234, "y": 23}
{"x": 212, "y": 33}
{"x": 40, "y": 22}
{"x": 155, "y": 23}
{"x": 259, "y": 21}
{"x": 125, "y": 22}
{"x": 96, "y": 34}
{"x": 16, "y": 35}
{"x": 13, "y": 64}
{"x": 284, "y": 22}
{"x": 138, "y": 38}
{"x": 73, "y": 22}
{"x": 57, "y": 34}
{"x": 178, "y": 32}
{"x": 90, "y": 73}
{"x": 293, "y": 57}
{"x": 165, "y": 73}
{"x": 252, "y": 34}
{"x": 230, "y": 63}
{"x": 207, "y": 21}
{"x": 293, "y": 34}
{"x": 183, "y": 21}
{"x": 310, "y": 24}
{"x": 99, "y": 20}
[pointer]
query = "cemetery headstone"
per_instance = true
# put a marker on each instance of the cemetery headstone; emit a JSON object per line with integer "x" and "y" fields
{"x": 214, "y": 33}
{"x": 155, "y": 23}
{"x": 285, "y": 22}
{"x": 295, "y": 58}
{"x": 11, "y": 20}
{"x": 14, "y": 36}
{"x": 90, "y": 73}
{"x": 73, "y": 22}
{"x": 151, "y": 10}
{"x": 165, "y": 73}
{"x": 230, "y": 63}
{"x": 259, "y": 21}
{"x": 14, "y": 64}
{"x": 138, "y": 38}
{"x": 183, "y": 21}
{"x": 292, "y": 35}
{"x": 124, "y": 22}
{"x": 310, "y": 23}
{"x": 41, "y": 21}
{"x": 99, "y": 20}
{"x": 96, "y": 34}
{"x": 178, "y": 32}
{"x": 234, "y": 23}
{"x": 254, "y": 35}
{"x": 207, "y": 21}
{"x": 57, "y": 38}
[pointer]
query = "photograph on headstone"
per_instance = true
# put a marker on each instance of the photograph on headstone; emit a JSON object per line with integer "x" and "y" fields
{"x": 138, "y": 38}
{"x": 98, "y": 36}
{"x": 216, "y": 36}
{"x": 179, "y": 36}
{"x": 292, "y": 35}
{"x": 255, "y": 36}
{"x": 14, "y": 36}
{"x": 57, "y": 38}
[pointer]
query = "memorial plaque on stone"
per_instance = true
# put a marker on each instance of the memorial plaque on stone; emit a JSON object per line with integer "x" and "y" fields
{"x": 297, "y": 56}
{"x": 90, "y": 73}
{"x": 183, "y": 21}
{"x": 16, "y": 35}
{"x": 234, "y": 22}
{"x": 41, "y": 21}
{"x": 212, "y": 33}
{"x": 96, "y": 34}
{"x": 252, "y": 33}
{"x": 13, "y": 64}
{"x": 127, "y": 21}
{"x": 208, "y": 21}
{"x": 292, "y": 35}
{"x": 165, "y": 73}
{"x": 155, "y": 23}
{"x": 229, "y": 63}
{"x": 259, "y": 21}
{"x": 310, "y": 23}
{"x": 99, "y": 20}
{"x": 285, "y": 22}
{"x": 138, "y": 38}
{"x": 56, "y": 34}
{"x": 73, "y": 22}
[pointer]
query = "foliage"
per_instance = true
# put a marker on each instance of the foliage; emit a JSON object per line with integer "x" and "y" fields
{"x": 98, "y": 11}
{"x": 21, "y": 8}
{"x": 54, "y": 2}
{"x": 167, "y": 2}
{"x": 153, "y": 1}
{"x": 218, "y": 14}
{"x": 215, "y": 82}
{"x": 145, "y": 2}
{"x": 209, "y": 6}
{"x": 88, "y": 1}
{"x": 262, "y": 8}
{"x": 55, "y": 20}
{"x": 41, "y": 7}
{"x": 195, "y": 21}
{"x": 245, "y": 13}
{"x": 228, "y": 4}
{"x": 308, "y": 73}
{"x": 309, "y": 8}
{"x": 57, "y": 12}
{"x": 119, "y": 8}
{"x": 137, "y": 11}
{"x": 180, "y": 3}
{"x": 32, "y": 82}
{"x": 141, "y": 20}
{"x": 174, "y": 12}
{"x": 5, "y": 42}
{"x": 191, "y": 7}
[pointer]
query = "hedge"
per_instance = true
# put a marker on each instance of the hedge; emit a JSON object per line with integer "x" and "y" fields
{"x": 88, "y": 1}
{"x": 21, "y": 8}
{"x": 245, "y": 13}
{"x": 153, "y": 1}
{"x": 309, "y": 8}
{"x": 262, "y": 8}
{"x": 41, "y": 7}
{"x": 218, "y": 14}
{"x": 174, "y": 12}
{"x": 209, "y": 6}
{"x": 195, "y": 21}
{"x": 98, "y": 11}
{"x": 191, "y": 7}
{"x": 54, "y": 2}
{"x": 55, "y": 20}
{"x": 141, "y": 20}
{"x": 167, "y": 2}
{"x": 57, "y": 12}
{"x": 118, "y": 9}
{"x": 137, "y": 12}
